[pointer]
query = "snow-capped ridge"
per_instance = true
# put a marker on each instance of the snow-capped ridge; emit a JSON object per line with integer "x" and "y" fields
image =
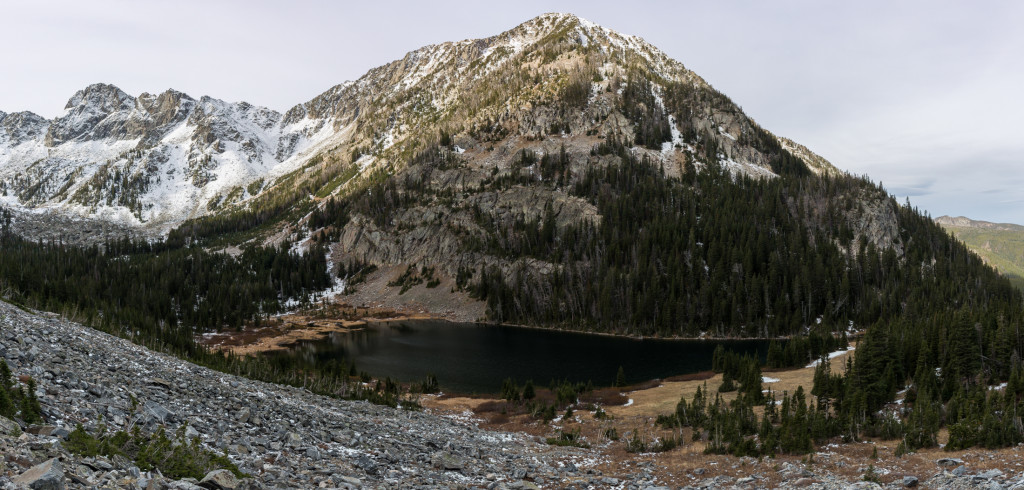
{"x": 156, "y": 159}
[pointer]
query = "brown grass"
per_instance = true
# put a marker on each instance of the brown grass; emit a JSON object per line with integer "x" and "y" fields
{"x": 605, "y": 397}
{"x": 677, "y": 467}
{"x": 287, "y": 330}
{"x": 701, "y": 376}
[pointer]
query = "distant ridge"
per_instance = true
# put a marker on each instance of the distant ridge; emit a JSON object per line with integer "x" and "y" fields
{"x": 1001, "y": 245}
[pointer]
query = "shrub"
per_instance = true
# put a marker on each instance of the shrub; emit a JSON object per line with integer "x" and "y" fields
{"x": 611, "y": 433}
{"x": 571, "y": 438}
{"x": 175, "y": 458}
{"x": 636, "y": 444}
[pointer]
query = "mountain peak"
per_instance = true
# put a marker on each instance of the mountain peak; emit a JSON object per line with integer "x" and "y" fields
{"x": 105, "y": 97}
{"x": 557, "y": 18}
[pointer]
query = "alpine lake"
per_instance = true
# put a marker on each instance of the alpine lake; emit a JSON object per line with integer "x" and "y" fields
{"x": 476, "y": 358}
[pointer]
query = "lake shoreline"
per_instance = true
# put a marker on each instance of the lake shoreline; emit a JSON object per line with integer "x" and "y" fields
{"x": 272, "y": 339}
{"x": 630, "y": 337}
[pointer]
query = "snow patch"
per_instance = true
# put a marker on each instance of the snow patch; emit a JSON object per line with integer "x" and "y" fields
{"x": 831, "y": 355}
{"x": 736, "y": 168}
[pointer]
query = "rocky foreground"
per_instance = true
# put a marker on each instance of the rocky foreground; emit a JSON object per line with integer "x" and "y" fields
{"x": 285, "y": 437}
{"x": 290, "y": 438}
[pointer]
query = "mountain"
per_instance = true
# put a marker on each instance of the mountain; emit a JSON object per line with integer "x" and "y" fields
{"x": 558, "y": 173}
{"x": 1000, "y": 244}
{"x": 151, "y": 159}
{"x": 154, "y": 161}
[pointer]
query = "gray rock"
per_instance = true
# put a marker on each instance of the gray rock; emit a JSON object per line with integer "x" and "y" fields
{"x": 447, "y": 461}
{"x": 959, "y": 470}
{"x": 313, "y": 454}
{"x": 910, "y": 481}
{"x": 989, "y": 474}
{"x": 191, "y": 433}
{"x": 183, "y": 485}
{"x": 219, "y": 480}
{"x": 355, "y": 482}
{"x": 41, "y": 430}
{"x": 949, "y": 462}
{"x": 121, "y": 462}
{"x": 293, "y": 439}
{"x": 366, "y": 464}
{"x": 9, "y": 427}
{"x": 155, "y": 411}
{"x": 243, "y": 415}
{"x": 45, "y": 476}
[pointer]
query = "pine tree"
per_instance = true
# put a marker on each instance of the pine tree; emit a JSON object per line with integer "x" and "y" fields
{"x": 31, "y": 412}
{"x": 620, "y": 378}
{"x": 529, "y": 393}
{"x": 7, "y": 407}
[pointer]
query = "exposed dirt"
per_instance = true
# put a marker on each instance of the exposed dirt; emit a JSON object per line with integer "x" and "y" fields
{"x": 281, "y": 332}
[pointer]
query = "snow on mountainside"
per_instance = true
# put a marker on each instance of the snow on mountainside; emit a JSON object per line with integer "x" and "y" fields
{"x": 156, "y": 160}
{"x": 149, "y": 159}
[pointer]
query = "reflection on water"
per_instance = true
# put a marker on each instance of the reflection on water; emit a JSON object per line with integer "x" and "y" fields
{"x": 476, "y": 358}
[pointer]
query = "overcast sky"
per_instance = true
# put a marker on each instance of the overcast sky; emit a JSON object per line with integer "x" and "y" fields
{"x": 923, "y": 96}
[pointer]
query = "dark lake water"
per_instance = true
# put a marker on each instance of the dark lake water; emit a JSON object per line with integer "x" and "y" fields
{"x": 471, "y": 358}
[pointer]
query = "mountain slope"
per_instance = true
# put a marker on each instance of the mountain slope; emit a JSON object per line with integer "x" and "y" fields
{"x": 588, "y": 182}
{"x": 1000, "y": 244}
{"x": 558, "y": 173}
{"x": 156, "y": 160}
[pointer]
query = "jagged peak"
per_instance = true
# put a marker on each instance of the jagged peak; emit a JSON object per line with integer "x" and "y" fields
{"x": 169, "y": 94}
{"x": 108, "y": 97}
{"x": 21, "y": 117}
